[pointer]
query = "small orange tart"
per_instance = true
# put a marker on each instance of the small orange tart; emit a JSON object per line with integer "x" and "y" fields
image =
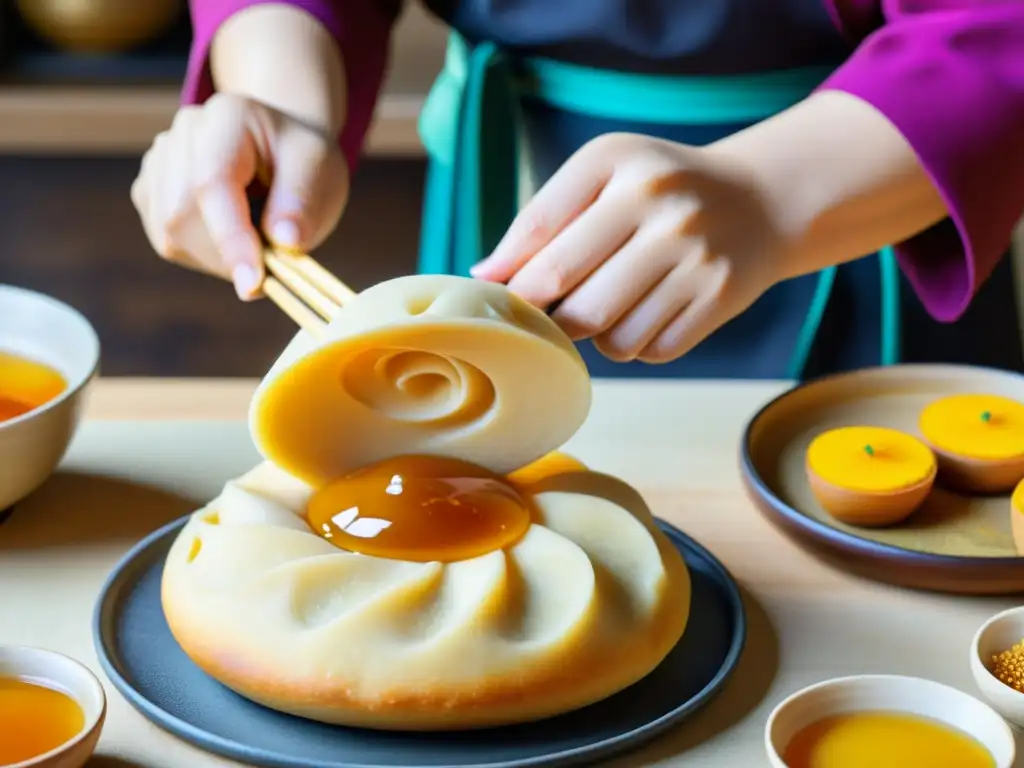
{"x": 979, "y": 441}
{"x": 870, "y": 476}
{"x": 1017, "y": 517}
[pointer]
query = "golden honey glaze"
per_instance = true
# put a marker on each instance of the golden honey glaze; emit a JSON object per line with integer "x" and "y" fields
{"x": 421, "y": 509}
{"x": 884, "y": 740}
{"x": 26, "y": 385}
{"x": 35, "y": 719}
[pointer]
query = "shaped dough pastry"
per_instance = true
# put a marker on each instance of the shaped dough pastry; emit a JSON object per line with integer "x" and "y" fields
{"x": 427, "y": 364}
{"x": 582, "y": 601}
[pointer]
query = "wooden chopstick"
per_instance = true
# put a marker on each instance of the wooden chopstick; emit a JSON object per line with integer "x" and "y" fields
{"x": 303, "y": 289}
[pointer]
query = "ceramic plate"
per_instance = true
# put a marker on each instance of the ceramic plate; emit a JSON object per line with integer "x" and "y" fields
{"x": 953, "y": 543}
{"x": 146, "y": 665}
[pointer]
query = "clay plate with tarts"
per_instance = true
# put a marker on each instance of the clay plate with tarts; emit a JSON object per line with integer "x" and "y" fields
{"x": 952, "y": 543}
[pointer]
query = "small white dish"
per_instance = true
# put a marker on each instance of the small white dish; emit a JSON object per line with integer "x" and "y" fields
{"x": 998, "y": 634}
{"x": 50, "y": 332}
{"x": 889, "y": 693}
{"x": 70, "y": 677}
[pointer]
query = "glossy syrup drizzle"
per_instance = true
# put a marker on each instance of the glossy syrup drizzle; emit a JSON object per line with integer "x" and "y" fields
{"x": 422, "y": 509}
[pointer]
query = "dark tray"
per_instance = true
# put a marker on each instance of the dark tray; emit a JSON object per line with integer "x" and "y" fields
{"x": 143, "y": 661}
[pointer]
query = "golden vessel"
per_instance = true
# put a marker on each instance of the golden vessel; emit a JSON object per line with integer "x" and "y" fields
{"x": 99, "y": 26}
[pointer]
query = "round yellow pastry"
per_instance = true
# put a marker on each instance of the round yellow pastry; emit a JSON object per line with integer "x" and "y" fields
{"x": 979, "y": 441}
{"x": 870, "y": 476}
{"x": 411, "y": 555}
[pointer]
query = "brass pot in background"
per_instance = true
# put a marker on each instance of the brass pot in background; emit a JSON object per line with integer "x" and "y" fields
{"x": 99, "y": 26}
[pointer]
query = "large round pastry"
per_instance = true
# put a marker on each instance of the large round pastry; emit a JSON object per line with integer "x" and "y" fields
{"x": 412, "y": 555}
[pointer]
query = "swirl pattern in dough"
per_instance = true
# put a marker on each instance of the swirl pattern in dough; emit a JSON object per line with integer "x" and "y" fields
{"x": 428, "y": 364}
{"x": 588, "y": 601}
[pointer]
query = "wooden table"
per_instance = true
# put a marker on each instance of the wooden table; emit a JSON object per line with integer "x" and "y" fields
{"x": 676, "y": 441}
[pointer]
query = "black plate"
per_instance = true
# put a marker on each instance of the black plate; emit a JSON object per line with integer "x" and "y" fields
{"x": 143, "y": 661}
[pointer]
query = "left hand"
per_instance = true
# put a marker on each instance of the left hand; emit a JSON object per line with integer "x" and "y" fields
{"x": 650, "y": 246}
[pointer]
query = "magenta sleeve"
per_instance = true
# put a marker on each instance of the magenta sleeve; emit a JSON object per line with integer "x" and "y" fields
{"x": 949, "y": 75}
{"x": 361, "y": 27}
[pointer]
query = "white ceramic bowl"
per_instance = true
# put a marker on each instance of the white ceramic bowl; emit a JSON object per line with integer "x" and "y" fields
{"x": 996, "y": 635}
{"x": 891, "y": 693}
{"x": 46, "y": 330}
{"x": 71, "y": 678}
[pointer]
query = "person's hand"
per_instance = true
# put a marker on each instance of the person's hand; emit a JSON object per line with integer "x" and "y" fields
{"x": 191, "y": 192}
{"x": 649, "y": 246}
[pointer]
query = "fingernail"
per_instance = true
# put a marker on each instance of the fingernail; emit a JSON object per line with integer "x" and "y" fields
{"x": 482, "y": 268}
{"x": 246, "y": 280}
{"x": 285, "y": 233}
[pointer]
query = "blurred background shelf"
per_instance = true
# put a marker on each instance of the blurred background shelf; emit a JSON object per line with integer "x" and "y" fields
{"x": 102, "y": 119}
{"x": 72, "y": 131}
{"x": 54, "y": 101}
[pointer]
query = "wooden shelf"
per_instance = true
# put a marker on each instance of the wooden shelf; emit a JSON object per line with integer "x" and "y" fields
{"x": 77, "y": 120}
{"x": 72, "y": 119}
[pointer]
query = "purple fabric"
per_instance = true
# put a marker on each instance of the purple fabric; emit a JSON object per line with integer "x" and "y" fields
{"x": 361, "y": 28}
{"x": 949, "y": 75}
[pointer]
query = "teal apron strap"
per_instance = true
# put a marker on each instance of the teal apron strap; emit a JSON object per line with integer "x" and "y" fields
{"x": 470, "y": 122}
{"x": 812, "y": 322}
{"x": 439, "y": 123}
{"x": 472, "y": 173}
{"x": 891, "y": 333}
{"x": 668, "y": 99}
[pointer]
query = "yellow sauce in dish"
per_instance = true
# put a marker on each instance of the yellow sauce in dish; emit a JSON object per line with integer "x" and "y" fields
{"x": 26, "y": 385}
{"x": 884, "y": 740}
{"x": 35, "y": 719}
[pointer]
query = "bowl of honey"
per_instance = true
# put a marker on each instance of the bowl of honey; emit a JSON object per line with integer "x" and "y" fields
{"x": 49, "y": 353}
{"x": 997, "y": 663}
{"x": 887, "y": 721}
{"x": 52, "y": 709}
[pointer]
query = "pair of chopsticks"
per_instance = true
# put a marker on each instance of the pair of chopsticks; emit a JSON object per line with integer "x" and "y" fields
{"x": 303, "y": 289}
{"x": 295, "y": 282}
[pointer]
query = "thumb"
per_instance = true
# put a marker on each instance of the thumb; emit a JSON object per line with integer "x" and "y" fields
{"x": 302, "y": 204}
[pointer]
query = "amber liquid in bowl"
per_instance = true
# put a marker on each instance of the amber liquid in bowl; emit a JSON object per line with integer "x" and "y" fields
{"x": 26, "y": 385}
{"x": 884, "y": 740}
{"x": 35, "y": 719}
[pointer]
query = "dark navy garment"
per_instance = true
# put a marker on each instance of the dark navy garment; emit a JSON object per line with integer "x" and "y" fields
{"x": 721, "y": 37}
{"x": 715, "y": 37}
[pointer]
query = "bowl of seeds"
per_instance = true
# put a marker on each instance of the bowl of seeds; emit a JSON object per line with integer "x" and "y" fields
{"x": 997, "y": 663}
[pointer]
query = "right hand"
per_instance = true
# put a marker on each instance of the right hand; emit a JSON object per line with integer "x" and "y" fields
{"x": 191, "y": 191}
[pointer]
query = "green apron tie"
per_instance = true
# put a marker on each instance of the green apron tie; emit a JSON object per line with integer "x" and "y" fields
{"x": 470, "y": 126}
